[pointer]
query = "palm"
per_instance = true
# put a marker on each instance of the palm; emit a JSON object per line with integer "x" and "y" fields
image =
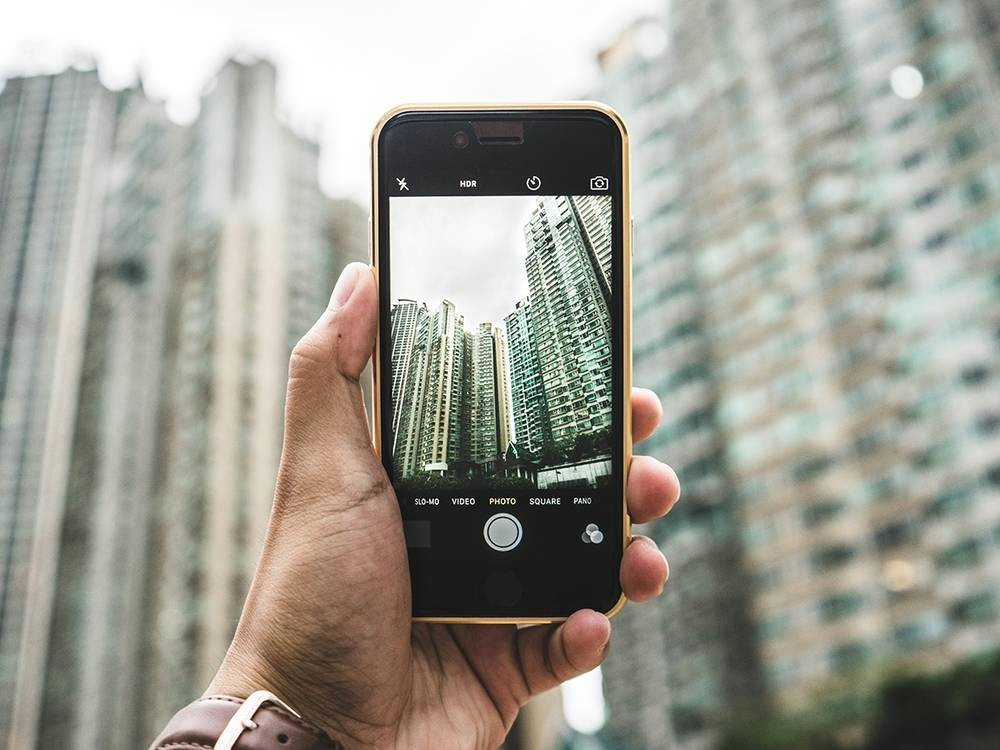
{"x": 327, "y": 621}
{"x": 479, "y": 676}
{"x": 453, "y": 704}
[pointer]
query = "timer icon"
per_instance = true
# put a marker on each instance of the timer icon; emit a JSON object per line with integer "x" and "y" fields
{"x": 534, "y": 182}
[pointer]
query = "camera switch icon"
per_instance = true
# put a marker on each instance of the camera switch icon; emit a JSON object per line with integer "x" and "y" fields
{"x": 599, "y": 183}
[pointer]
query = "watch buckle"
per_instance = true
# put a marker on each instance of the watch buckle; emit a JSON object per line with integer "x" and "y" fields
{"x": 242, "y": 721}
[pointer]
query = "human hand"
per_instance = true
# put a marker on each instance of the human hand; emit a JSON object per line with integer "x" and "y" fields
{"x": 326, "y": 625}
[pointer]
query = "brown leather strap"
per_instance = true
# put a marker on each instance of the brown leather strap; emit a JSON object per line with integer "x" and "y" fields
{"x": 197, "y": 726}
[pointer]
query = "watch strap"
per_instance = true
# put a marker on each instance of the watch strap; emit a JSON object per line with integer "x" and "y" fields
{"x": 262, "y": 722}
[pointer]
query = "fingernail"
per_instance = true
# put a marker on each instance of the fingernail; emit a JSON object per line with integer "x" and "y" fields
{"x": 344, "y": 287}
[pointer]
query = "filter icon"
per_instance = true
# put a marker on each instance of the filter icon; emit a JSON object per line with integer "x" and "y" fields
{"x": 592, "y": 534}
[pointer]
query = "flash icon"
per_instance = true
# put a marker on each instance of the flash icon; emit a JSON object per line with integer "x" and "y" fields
{"x": 402, "y": 184}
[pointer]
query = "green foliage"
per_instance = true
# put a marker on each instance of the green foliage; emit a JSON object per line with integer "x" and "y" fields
{"x": 959, "y": 709}
{"x": 431, "y": 483}
{"x": 954, "y": 710}
{"x": 586, "y": 447}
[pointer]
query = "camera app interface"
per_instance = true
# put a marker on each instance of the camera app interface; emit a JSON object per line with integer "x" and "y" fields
{"x": 501, "y": 356}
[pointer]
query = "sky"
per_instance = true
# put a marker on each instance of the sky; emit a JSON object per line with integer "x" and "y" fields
{"x": 469, "y": 250}
{"x": 340, "y": 65}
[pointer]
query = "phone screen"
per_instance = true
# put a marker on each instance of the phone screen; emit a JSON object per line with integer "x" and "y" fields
{"x": 501, "y": 349}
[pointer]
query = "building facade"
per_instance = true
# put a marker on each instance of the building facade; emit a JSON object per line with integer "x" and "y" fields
{"x": 406, "y": 319}
{"x": 92, "y": 675}
{"x": 55, "y": 148}
{"x": 529, "y": 410}
{"x": 815, "y": 302}
{"x": 489, "y": 413}
{"x": 452, "y": 411}
{"x": 181, "y": 264}
{"x": 568, "y": 264}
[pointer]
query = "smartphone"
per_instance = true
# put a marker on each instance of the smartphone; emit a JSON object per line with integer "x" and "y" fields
{"x": 501, "y": 238}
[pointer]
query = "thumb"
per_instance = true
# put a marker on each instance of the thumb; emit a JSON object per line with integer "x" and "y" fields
{"x": 324, "y": 397}
{"x": 344, "y": 335}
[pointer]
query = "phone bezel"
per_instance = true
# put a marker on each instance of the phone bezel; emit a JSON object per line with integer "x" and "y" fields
{"x": 625, "y": 222}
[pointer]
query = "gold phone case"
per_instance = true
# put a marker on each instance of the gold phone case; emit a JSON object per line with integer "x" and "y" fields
{"x": 625, "y": 218}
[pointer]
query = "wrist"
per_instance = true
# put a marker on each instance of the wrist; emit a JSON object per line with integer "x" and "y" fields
{"x": 240, "y": 675}
{"x": 260, "y": 722}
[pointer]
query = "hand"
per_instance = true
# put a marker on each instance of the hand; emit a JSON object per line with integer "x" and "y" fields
{"x": 326, "y": 625}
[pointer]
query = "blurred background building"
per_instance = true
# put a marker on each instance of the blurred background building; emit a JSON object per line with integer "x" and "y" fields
{"x": 817, "y": 202}
{"x": 156, "y": 278}
{"x": 816, "y": 300}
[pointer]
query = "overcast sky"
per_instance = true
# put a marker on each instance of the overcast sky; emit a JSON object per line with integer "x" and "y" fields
{"x": 340, "y": 64}
{"x": 469, "y": 250}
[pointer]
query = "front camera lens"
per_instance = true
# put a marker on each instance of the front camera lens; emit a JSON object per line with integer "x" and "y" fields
{"x": 460, "y": 139}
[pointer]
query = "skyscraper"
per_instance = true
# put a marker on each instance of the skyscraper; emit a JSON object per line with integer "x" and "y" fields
{"x": 452, "y": 411}
{"x": 816, "y": 210}
{"x": 593, "y": 215}
{"x": 433, "y": 407}
{"x": 249, "y": 278}
{"x": 530, "y": 415}
{"x": 93, "y": 673}
{"x": 55, "y": 145}
{"x": 568, "y": 314}
{"x": 407, "y": 317}
{"x": 157, "y": 278}
{"x": 489, "y": 412}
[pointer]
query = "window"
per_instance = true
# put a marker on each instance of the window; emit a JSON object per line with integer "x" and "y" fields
{"x": 956, "y": 99}
{"x": 929, "y": 198}
{"x": 848, "y": 656}
{"x": 964, "y": 144}
{"x": 921, "y": 632}
{"x": 811, "y": 468}
{"x": 768, "y": 578}
{"x": 988, "y": 424}
{"x": 913, "y": 160}
{"x": 975, "y": 374}
{"x": 938, "y": 454}
{"x": 936, "y": 241}
{"x": 903, "y": 121}
{"x": 829, "y": 558}
{"x": 817, "y": 513}
{"x": 950, "y": 502}
{"x": 773, "y": 627}
{"x": 839, "y": 606}
{"x": 975, "y": 190}
{"x": 964, "y": 554}
{"x": 978, "y": 608}
{"x": 893, "y": 534}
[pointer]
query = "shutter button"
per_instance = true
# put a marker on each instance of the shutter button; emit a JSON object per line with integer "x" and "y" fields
{"x": 502, "y": 532}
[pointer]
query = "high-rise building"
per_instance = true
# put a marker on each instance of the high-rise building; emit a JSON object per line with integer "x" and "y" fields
{"x": 406, "y": 319}
{"x": 156, "y": 278}
{"x": 568, "y": 313}
{"x": 250, "y": 274}
{"x": 452, "y": 410}
{"x": 593, "y": 215}
{"x": 433, "y": 435}
{"x": 94, "y": 673}
{"x": 55, "y": 146}
{"x": 817, "y": 215}
{"x": 529, "y": 411}
{"x": 489, "y": 408}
